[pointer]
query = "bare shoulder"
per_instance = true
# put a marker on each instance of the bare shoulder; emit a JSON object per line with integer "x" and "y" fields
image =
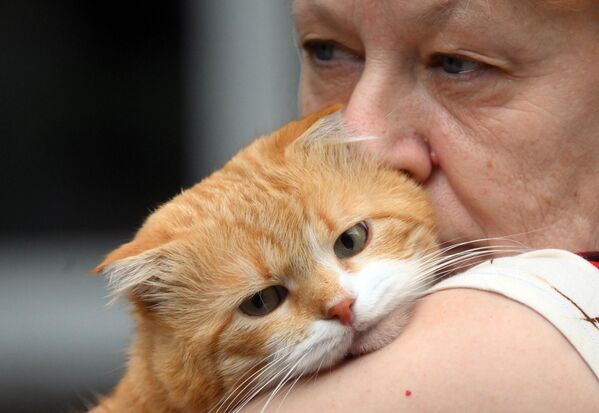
{"x": 497, "y": 355}
{"x": 464, "y": 350}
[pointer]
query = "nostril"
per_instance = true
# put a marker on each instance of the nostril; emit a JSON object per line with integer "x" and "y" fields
{"x": 342, "y": 311}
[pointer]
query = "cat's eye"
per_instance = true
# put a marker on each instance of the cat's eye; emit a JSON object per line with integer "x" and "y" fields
{"x": 265, "y": 301}
{"x": 352, "y": 241}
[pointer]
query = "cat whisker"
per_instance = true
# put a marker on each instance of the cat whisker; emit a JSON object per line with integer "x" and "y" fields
{"x": 297, "y": 379}
{"x": 235, "y": 395}
{"x": 439, "y": 268}
{"x": 315, "y": 375}
{"x": 509, "y": 238}
{"x": 262, "y": 384}
{"x": 265, "y": 383}
{"x": 258, "y": 385}
{"x": 256, "y": 391}
{"x": 444, "y": 257}
{"x": 447, "y": 249}
{"x": 240, "y": 388}
{"x": 283, "y": 381}
{"x": 441, "y": 261}
{"x": 473, "y": 255}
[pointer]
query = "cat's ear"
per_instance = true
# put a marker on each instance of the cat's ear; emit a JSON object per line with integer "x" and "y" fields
{"x": 294, "y": 130}
{"x": 127, "y": 250}
{"x": 139, "y": 269}
{"x": 313, "y": 118}
{"x": 326, "y": 128}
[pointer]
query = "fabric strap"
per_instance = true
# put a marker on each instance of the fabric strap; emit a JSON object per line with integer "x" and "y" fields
{"x": 591, "y": 256}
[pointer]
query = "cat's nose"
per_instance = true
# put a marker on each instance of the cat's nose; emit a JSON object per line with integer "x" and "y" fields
{"x": 342, "y": 311}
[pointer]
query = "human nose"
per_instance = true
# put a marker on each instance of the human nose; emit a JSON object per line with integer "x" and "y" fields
{"x": 397, "y": 118}
{"x": 342, "y": 311}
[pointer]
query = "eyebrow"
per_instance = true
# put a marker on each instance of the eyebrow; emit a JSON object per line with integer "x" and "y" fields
{"x": 314, "y": 9}
{"x": 434, "y": 13}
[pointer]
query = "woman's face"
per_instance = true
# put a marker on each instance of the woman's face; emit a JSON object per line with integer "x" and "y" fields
{"x": 492, "y": 105}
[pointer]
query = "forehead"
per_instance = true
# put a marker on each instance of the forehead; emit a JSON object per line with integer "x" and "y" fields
{"x": 398, "y": 18}
{"x": 389, "y": 24}
{"x": 330, "y": 9}
{"x": 436, "y": 11}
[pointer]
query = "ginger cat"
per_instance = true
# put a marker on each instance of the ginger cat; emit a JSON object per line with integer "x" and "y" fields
{"x": 277, "y": 265}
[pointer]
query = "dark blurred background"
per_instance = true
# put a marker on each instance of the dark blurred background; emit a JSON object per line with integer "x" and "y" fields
{"x": 108, "y": 109}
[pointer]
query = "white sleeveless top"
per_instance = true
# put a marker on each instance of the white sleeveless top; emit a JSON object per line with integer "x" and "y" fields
{"x": 559, "y": 285}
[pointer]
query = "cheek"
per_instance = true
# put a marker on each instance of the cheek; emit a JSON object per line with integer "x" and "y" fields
{"x": 324, "y": 345}
{"x": 317, "y": 92}
{"x": 497, "y": 130}
{"x": 463, "y": 98}
{"x": 383, "y": 285}
{"x": 478, "y": 189}
{"x": 472, "y": 164}
{"x": 488, "y": 148}
{"x": 255, "y": 339}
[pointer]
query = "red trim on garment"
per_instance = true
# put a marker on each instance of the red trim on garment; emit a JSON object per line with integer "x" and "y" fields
{"x": 590, "y": 256}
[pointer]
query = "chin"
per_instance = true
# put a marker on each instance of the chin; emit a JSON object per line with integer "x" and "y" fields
{"x": 382, "y": 333}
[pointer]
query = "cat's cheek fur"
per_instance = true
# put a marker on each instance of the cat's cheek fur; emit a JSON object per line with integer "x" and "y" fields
{"x": 385, "y": 290}
{"x": 326, "y": 345}
{"x": 383, "y": 333}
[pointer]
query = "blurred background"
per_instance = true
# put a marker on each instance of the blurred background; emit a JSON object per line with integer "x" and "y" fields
{"x": 107, "y": 110}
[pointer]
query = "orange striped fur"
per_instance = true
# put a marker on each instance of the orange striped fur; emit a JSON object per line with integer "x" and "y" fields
{"x": 269, "y": 217}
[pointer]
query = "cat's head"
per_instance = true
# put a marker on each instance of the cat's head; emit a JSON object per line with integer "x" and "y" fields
{"x": 286, "y": 256}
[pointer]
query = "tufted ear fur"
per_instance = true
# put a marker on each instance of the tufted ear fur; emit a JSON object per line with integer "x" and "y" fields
{"x": 138, "y": 269}
{"x": 296, "y": 129}
{"x": 327, "y": 131}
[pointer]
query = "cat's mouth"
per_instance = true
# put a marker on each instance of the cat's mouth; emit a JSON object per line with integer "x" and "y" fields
{"x": 380, "y": 333}
{"x": 358, "y": 346}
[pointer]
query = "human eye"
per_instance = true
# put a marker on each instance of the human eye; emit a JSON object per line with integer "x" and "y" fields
{"x": 467, "y": 77}
{"x": 328, "y": 53}
{"x": 321, "y": 51}
{"x": 457, "y": 66}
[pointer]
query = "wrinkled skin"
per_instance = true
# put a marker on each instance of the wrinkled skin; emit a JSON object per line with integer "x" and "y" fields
{"x": 492, "y": 106}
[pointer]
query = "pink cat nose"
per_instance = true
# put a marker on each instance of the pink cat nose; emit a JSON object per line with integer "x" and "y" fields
{"x": 342, "y": 311}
